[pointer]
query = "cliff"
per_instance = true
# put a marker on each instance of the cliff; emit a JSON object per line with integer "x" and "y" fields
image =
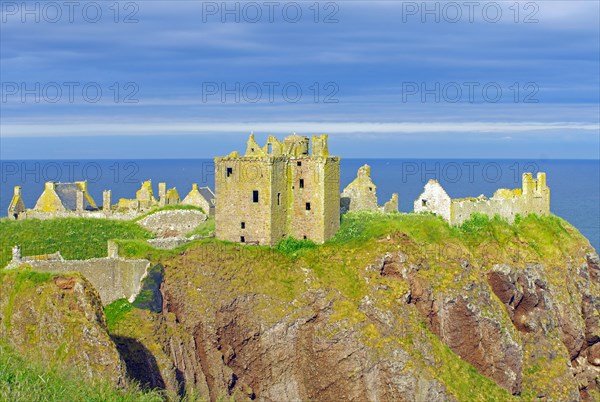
{"x": 58, "y": 319}
{"x": 398, "y": 307}
{"x": 394, "y": 307}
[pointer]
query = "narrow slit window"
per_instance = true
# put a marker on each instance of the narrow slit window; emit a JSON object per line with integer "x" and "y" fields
{"x": 278, "y": 198}
{"x": 305, "y": 237}
{"x": 243, "y": 225}
{"x": 308, "y": 206}
{"x": 242, "y": 239}
{"x": 255, "y": 196}
{"x": 301, "y": 183}
{"x": 424, "y": 203}
{"x": 229, "y": 171}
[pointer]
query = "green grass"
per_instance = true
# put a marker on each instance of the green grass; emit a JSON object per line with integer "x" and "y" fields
{"x": 116, "y": 311}
{"x": 291, "y": 246}
{"x": 546, "y": 235}
{"x": 24, "y": 380}
{"x": 205, "y": 229}
{"x": 75, "y": 238}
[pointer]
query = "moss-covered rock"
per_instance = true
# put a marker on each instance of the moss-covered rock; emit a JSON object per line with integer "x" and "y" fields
{"x": 58, "y": 319}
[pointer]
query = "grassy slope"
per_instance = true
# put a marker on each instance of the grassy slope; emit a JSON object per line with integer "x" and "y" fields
{"x": 22, "y": 380}
{"x": 75, "y": 238}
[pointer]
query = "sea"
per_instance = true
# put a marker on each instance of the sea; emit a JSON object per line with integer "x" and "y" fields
{"x": 574, "y": 184}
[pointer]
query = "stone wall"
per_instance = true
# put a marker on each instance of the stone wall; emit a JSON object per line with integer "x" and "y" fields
{"x": 237, "y": 217}
{"x": 175, "y": 222}
{"x": 361, "y": 193}
{"x": 113, "y": 278}
{"x": 128, "y": 215}
{"x": 434, "y": 199}
{"x": 533, "y": 197}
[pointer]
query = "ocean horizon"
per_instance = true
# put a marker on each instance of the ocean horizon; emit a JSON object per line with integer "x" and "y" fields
{"x": 574, "y": 189}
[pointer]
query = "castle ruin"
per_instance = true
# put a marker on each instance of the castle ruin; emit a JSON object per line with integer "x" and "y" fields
{"x": 279, "y": 190}
{"x": 74, "y": 199}
{"x": 533, "y": 197}
{"x": 361, "y": 195}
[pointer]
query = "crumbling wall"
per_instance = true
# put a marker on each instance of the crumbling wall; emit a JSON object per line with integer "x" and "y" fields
{"x": 533, "y": 197}
{"x": 434, "y": 199}
{"x": 391, "y": 205}
{"x": 361, "y": 193}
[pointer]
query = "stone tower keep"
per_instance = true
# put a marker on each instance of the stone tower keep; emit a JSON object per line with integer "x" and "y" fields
{"x": 279, "y": 190}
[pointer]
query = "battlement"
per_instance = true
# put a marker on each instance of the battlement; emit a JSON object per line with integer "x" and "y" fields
{"x": 292, "y": 146}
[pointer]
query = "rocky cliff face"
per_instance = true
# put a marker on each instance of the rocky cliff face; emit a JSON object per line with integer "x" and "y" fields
{"x": 400, "y": 324}
{"x": 58, "y": 319}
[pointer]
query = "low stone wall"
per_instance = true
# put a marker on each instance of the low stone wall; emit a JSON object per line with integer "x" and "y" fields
{"x": 173, "y": 223}
{"x": 30, "y": 214}
{"x": 113, "y": 278}
{"x": 508, "y": 208}
{"x": 168, "y": 242}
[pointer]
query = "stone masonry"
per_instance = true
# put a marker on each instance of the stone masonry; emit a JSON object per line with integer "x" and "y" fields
{"x": 277, "y": 191}
{"x": 73, "y": 199}
{"x": 112, "y": 276}
{"x": 533, "y": 197}
{"x": 361, "y": 195}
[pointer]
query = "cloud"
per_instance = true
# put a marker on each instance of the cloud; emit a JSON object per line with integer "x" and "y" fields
{"x": 33, "y": 130}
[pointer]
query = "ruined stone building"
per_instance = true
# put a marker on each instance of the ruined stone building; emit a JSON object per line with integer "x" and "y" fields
{"x": 73, "y": 199}
{"x": 17, "y": 205}
{"x": 145, "y": 199}
{"x": 533, "y": 197}
{"x": 202, "y": 197}
{"x": 279, "y": 190}
{"x": 57, "y": 199}
{"x": 361, "y": 195}
{"x": 63, "y": 197}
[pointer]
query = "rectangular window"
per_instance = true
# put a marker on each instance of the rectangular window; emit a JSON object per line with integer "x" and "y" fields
{"x": 229, "y": 171}
{"x": 301, "y": 183}
{"x": 242, "y": 239}
{"x": 255, "y": 196}
{"x": 308, "y": 206}
{"x": 305, "y": 237}
{"x": 243, "y": 225}
{"x": 299, "y": 163}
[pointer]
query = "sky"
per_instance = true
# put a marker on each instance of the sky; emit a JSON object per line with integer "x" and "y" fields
{"x": 393, "y": 79}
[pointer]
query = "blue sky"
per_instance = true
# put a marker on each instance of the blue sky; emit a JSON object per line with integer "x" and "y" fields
{"x": 384, "y": 79}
